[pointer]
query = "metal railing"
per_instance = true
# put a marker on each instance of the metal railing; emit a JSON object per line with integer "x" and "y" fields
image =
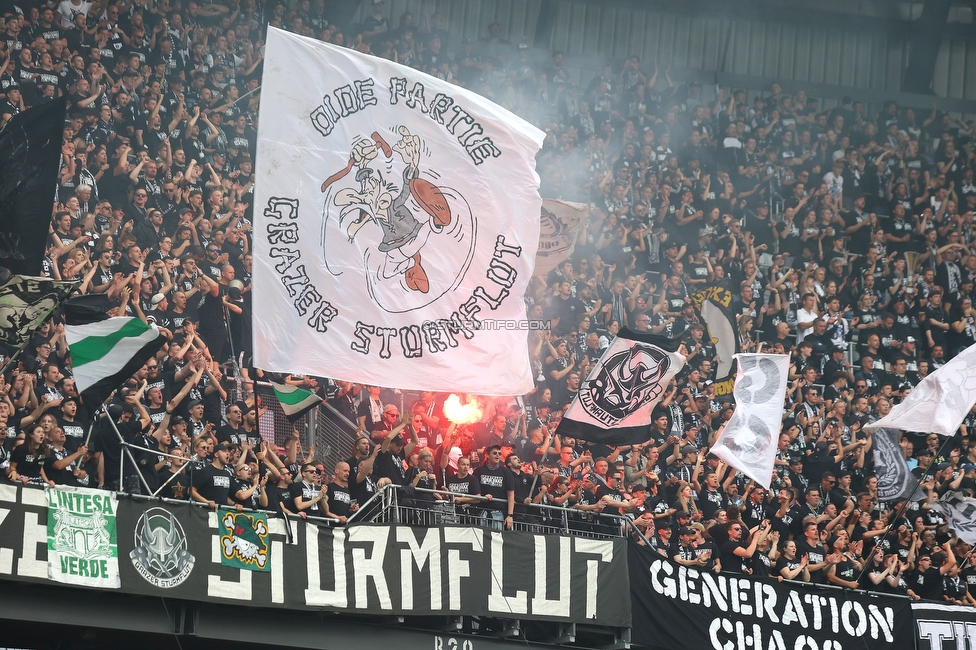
{"x": 423, "y": 507}
{"x": 332, "y": 432}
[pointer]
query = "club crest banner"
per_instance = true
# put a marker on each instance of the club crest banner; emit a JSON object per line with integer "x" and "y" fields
{"x": 244, "y": 542}
{"x": 82, "y": 543}
{"x": 396, "y": 225}
{"x": 615, "y": 401}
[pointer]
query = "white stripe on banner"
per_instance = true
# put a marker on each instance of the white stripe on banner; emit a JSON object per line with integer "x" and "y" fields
{"x": 112, "y": 361}
{"x": 748, "y": 442}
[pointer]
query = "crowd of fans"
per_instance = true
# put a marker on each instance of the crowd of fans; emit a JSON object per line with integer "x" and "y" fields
{"x": 843, "y": 235}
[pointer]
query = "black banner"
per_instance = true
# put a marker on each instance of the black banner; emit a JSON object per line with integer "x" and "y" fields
{"x": 177, "y": 551}
{"x": 680, "y": 608}
{"x": 945, "y": 627}
{"x": 25, "y": 303}
{"x": 30, "y": 151}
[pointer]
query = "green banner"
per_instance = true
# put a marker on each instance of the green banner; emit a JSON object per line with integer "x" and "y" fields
{"x": 244, "y": 540}
{"x": 82, "y": 545}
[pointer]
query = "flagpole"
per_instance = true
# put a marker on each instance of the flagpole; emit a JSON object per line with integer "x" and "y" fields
{"x": 91, "y": 425}
{"x": 125, "y": 448}
{"x": 189, "y": 460}
{"x": 13, "y": 360}
{"x": 904, "y": 505}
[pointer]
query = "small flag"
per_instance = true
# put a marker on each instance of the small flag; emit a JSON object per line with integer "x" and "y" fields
{"x": 25, "y": 303}
{"x": 713, "y": 305}
{"x": 559, "y": 229}
{"x": 961, "y": 512}
{"x": 30, "y": 152}
{"x": 940, "y": 402}
{"x": 104, "y": 353}
{"x": 748, "y": 441}
{"x": 614, "y": 404}
{"x": 295, "y": 401}
{"x": 895, "y": 481}
{"x": 244, "y": 542}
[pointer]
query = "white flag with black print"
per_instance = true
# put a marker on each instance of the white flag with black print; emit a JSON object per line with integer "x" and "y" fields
{"x": 940, "y": 402}
{"x": 560, "y": 227}
{"x": 960, "y": 511}
{"x": 748, "y": 441}
{"x": 614, "y": 403}
{"x": 396, "y": 225}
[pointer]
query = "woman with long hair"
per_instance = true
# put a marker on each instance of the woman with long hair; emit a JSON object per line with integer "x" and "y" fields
{"x": 27, "y": 460}
{"x": 685, "y": 501}
{"x": 746, "y": 344}
{"x": 789, "y": 566}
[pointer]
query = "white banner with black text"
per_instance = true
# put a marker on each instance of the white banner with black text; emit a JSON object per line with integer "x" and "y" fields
{"x": 396, "y": 225}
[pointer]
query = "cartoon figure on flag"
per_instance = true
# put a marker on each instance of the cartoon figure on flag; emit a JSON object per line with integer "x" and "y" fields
{"x": 395, "y": 221}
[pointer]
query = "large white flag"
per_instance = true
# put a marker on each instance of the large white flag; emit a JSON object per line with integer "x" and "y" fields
{"x": 940, "y": 402}
{"x": 748, "y": 442}
{"x": 396, "y": 225}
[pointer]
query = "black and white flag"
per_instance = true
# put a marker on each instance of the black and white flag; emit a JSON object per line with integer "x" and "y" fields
{"x": 961, "y": 512}
{"x": 25, "y": 303}
{"x": 748, "y": 441}
{"x": 614, "y": 403}
{"x": 895, "y": 480}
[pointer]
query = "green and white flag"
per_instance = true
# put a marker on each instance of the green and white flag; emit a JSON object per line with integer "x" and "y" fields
{"x": 295, "y": 401}
{"x": 105, "y": 353}
{"x": 82, "y": 544}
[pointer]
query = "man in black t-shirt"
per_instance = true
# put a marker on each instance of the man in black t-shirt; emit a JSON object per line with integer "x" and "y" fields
{"x": 733, "y": 554}
{"x": 523, "y": 483}
{"x": 361, "y": 484}
{"x": 211, "y": 484}
{"x": 926, "y": 579}
{"x": 231, "y": 432}
{"x": 75, "y": 429}
{"x": 340, "y": 504}
{"x": 813, "y": 548}
{"x": 393, "y": 452}
{"x": 496, "y": 482}
{"x": 306, "y": 495}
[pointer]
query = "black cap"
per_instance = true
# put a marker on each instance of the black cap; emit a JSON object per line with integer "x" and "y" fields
{"x": 684, "y": 530}
{"x": 224, "y": 446}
